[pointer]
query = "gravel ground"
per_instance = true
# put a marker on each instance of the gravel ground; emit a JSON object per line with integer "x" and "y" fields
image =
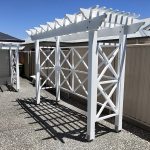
{"x": 27, "y": 126}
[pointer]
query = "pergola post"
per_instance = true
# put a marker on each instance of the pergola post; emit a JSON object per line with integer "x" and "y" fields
{"x": 121, "y": 78}
{"x": 17, "y": 68}
{"x": 11, "y": 70}
{"x": 57, "y": 69}
{"x": 37, "y": 70}
{"x": 92, "y": 84}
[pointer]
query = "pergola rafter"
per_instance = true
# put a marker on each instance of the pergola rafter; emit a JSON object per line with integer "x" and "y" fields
{"x": 89, "y": 25}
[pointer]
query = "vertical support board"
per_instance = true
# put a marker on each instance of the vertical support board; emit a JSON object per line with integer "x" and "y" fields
{"x": 11, "y": 61}
{"x": 73, "y": 73}
{"x": 92, "y": 84}
{"x": 121, "y": 78}
{"x": 37, "y": 70}
{"x": 57, "y": 69}
{"x": 17, "y": 68}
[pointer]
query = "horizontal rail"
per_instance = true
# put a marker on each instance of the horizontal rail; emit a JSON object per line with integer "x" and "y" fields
{"x": 105, "y": 117}
{"x": 44, "y": 88}
{"x": 47, "y": 68}
{"x": 100, "y": 104}
{"x": 72, "y": 70}
{"x": 73, "y": 92}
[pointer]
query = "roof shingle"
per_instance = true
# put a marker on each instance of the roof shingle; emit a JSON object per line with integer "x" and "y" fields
{"x": 7, "y": 38}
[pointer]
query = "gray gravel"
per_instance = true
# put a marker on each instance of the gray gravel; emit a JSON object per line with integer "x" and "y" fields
{"x": 25, "y": 125}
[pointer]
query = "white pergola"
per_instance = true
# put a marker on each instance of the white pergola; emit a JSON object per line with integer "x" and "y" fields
{"x": 93, "y": 26}
{"x": 13, "y": 49}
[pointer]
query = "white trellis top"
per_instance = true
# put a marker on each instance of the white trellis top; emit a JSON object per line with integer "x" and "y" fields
{"x": 111, "y": 19}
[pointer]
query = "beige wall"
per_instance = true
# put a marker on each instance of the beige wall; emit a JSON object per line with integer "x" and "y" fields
{"x": 137, "y": 84}
{"x": 29, "y": 64}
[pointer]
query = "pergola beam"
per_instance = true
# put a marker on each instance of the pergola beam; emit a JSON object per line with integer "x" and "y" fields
{"x": 83, "y": 26}
{"x": 7, "y": 45}
{"x": 103, "y": 34}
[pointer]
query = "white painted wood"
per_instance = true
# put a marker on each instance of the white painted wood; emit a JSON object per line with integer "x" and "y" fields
{"x": 121, "y": 73}
{"x": 86, "y": 12}
{"x": 92, "y": 12}
{"x": 60, "y": 22}
{"x": 103, "y": 34}
{"x": 44, "y": 27}
{"x": 7, "y": 45}
{"x": 14, "y": 66}
{"x": 17, "y": 69}
{"x": 105, "y": 117}
{"x": 51, "y": 25}
{"x": 10, "y": 56}
{"x": 71, "y": 18}
{"x": 86, "y": 25}
{"x": 92, "y": 84}
{"x": 37, "y": 67}
{"x": 73, "y": 72}
{"x": 57, "y": 69}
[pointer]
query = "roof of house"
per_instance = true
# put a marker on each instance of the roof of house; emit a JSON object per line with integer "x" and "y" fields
{"x": 7, "y": 38}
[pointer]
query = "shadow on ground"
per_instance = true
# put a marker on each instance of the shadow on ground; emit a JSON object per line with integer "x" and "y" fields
{"x": 143, "y": 134}
{"x": 59, "y": 121}
{"x": 82, "y": 104}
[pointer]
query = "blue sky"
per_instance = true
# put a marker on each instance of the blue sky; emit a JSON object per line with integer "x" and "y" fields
{"x": 20, "y": 15}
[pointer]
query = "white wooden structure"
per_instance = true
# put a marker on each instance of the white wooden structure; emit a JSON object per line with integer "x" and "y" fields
{"x": 92, "y": 25}
{"x": 13, "y": 49}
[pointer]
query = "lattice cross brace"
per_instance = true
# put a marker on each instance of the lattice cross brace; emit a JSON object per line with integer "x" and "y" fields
{"x": 107, "y": 100}
{"x": 109, "y": 56}
{"x": 65, "y": 79}
{"x": 47, "y": 58}
{"x": 65, "y": 57}
{"x": 81, "y": 59}
{"x": 81, "y": 84}
{"x": 47, "y": 78}
{"x": 105, "y": 89}
{"x": 108, "y": 64}
{"x": 106, "y": 60}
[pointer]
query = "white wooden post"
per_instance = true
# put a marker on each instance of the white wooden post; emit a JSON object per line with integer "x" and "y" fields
{"x": 92, "y": 84}
{"x": 121, "y": 78}
{"x": 11, "y": 71}
{"x": 57, "y": 69}
{"x": 73, "y": 73}
{"x": 37, "y": 71}
{"x": 17, "y": 69}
